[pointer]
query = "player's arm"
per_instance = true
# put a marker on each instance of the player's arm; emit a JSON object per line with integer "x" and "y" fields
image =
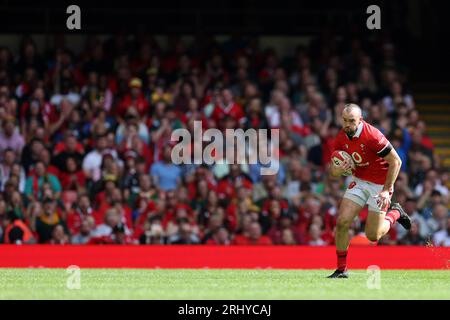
{"x": 391, "y": 156}
{"x": 337, "y": 171}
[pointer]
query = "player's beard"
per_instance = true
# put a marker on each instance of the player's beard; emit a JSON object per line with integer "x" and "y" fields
{"x": 350, "y": 133}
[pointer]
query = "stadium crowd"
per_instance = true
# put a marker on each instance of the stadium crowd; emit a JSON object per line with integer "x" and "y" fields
{"x": 85, "y": 150}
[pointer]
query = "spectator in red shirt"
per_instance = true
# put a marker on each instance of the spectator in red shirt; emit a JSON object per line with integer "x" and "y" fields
{"x": 111, "y": 219}
{"x": 172, "y": 223}
{"x": 115, "y": 200}
{"x": 420, "y": 137}
{"x": 288, "y": 237}
{"x": 254, "y": 237}
{"x": 81, "y": 212}
{"x": 63, "y": 119}
{"x": 181, "y": 103}
{"x": 202, "y": 181}
{"x": 36, "y": 112}
{"x": 134, "y": 99}
{"x": 59, "y": 236}
{"x": 242, "y": 203}
{"x": 221, "y": 236}
{"x": 230, "y": 183}
{"x": 309, "y": 209}
{"x": 227, "y": 107}
{"x": 69, "y": 147}
{"x": 278, "y": 230}
{"x": 315, "y": 236}
{"x": 72, "y": 177}
{"x": 328, "y": 135}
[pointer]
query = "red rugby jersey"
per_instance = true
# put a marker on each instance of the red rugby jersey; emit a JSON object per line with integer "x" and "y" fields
{"x": 367, "y": 148}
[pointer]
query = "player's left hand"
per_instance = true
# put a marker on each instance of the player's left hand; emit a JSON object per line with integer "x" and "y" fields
{"x": 383, "y": 199}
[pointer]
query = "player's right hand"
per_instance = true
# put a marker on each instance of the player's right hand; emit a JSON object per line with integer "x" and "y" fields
{"x": 346, "y": 165}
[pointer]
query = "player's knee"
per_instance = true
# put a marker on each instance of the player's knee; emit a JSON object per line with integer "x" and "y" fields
{"x": 373, "y": 235}
{"x": 343, "y": 224}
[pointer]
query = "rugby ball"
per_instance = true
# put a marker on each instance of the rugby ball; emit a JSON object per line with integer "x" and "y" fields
{"x": 338, "y": 156}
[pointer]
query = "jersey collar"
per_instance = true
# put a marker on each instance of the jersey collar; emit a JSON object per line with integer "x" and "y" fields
{"x": 359, "y": 130}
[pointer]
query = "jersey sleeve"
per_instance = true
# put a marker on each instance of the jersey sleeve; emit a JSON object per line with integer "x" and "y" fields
{"x": 379, "y": 143}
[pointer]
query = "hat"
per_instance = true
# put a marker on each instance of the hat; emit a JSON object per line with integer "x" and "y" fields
{"x": 135, "y": 83}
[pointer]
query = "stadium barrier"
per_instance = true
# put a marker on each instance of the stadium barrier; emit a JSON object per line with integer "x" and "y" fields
{"x": 247, "y": 257}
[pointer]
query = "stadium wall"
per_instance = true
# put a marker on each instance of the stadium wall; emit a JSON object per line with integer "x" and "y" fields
{"x": 234, "y": 257}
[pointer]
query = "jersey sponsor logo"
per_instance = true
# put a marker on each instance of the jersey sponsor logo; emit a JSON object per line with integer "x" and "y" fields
{"x": 358, "y": 159}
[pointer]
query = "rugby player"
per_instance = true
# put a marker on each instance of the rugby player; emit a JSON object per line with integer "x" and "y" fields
{"x": 375, "y": 168}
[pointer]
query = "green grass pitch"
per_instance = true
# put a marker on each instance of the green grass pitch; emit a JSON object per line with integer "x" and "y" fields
{"x": 40, "y": 283}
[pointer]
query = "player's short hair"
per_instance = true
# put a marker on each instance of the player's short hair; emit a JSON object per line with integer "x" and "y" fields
{"x": 349, "y": 107}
